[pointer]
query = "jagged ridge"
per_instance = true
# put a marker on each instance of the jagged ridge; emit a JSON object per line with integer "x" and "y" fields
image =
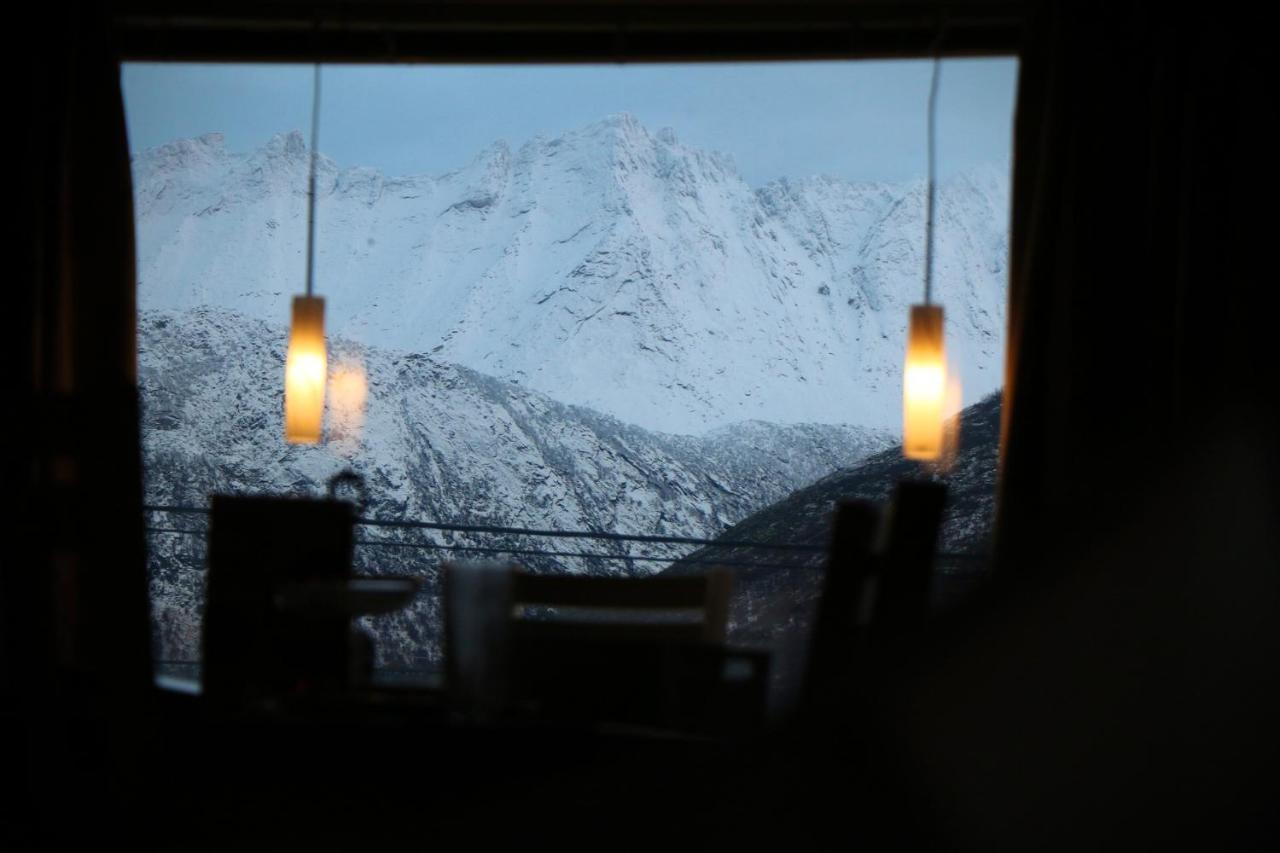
{"x": 716, "y": 302}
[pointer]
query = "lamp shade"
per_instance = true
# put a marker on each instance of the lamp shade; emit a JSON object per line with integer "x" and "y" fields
{"x": 924, "y": 385}
{"x": 305, "y": 370}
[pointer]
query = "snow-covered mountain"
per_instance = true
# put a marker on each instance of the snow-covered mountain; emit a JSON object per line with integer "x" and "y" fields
{"x": 607, "y": 331}
{"x": 608, "y": 267}
{"x": 440, "y": 441}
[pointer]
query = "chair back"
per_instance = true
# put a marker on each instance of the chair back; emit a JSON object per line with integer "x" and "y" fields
{"x": 257, "y": 547}
{"x": 687, "y": 609}
{"x": 631, "y": 650}
{"x": 876, "y": 595}
{"x": 645, "y": 651}
{"x": 908, "y": 548}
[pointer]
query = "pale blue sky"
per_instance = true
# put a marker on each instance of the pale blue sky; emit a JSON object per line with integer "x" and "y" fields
{"x": 856, "y": 120}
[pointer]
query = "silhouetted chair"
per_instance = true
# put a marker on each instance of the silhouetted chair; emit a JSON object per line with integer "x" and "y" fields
{"x": 576, "y": 599}
{"x": 646, "y": 651}
{"x": 257, "y": 545}
{"x": 877, "y": 588}
{"x": 907, "y": 552}
{"x": 850, "y": 564}
{"x": 280, "y": 598}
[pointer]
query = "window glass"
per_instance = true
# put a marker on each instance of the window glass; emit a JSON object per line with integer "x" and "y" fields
{"x": 665, "y": 304}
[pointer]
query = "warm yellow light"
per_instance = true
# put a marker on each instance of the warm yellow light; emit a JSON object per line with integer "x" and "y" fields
{"x": 304, "y": 372}
{"x": 348, "y": 392}
{"x": 925, "y": 381}
{"x": 924, "y": 386}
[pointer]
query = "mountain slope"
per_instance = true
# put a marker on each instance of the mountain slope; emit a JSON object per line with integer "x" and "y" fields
{"x": 608, "y": 267}
{"x": 771, "y": 603}
{"x": 440, "y": 442}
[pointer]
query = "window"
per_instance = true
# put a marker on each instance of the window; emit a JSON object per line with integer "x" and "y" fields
{"x": 662, "y": 304}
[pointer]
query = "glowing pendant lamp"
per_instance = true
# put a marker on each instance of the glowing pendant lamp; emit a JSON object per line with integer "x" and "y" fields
{"x": 924, "y": 385}
{"x": 305, "y": 369}
{"x": 925, "y": 381}
{"x": 306, "y": 366}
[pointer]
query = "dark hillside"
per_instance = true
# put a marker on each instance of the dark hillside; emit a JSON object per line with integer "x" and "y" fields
{"x": 772, "y": 604}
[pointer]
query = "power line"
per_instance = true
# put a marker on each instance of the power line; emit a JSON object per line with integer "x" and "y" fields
{"x": 525, "y": 552}
{"x": 553, "y": 534}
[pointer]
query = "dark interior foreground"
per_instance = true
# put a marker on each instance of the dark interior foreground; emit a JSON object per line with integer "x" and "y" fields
{"x": 1114, "y": 686}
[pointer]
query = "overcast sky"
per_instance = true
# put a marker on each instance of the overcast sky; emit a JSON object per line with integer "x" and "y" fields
{"x": 856, "y": 120}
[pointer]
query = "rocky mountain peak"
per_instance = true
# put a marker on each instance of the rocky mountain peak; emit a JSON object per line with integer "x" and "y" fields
{"x": 716, "y": 303}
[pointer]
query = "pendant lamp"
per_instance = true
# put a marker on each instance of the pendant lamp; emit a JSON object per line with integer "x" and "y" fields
{"x": 925, "y": 380}
{"x": 306, "y": 365}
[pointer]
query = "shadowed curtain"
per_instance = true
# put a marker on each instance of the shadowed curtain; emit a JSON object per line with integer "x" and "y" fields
{"x": 1136, "y": 330}
{"x": 74, "y": 604}
{"x": 1120, "y": 687}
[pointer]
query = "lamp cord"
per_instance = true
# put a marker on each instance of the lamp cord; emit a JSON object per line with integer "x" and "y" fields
{"x": 311, "y": 181}
{"x": 931, "y": 200}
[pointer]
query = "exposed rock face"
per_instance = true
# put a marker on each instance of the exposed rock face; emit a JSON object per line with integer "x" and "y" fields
{"x": 436, "y": 441}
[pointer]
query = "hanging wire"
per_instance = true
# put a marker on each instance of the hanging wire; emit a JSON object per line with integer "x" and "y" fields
{"x": 529, "y": 531}
{"x": 311, "y": 180}
{"x": 933, "y": 189}
{"x": 692, "y": 558}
